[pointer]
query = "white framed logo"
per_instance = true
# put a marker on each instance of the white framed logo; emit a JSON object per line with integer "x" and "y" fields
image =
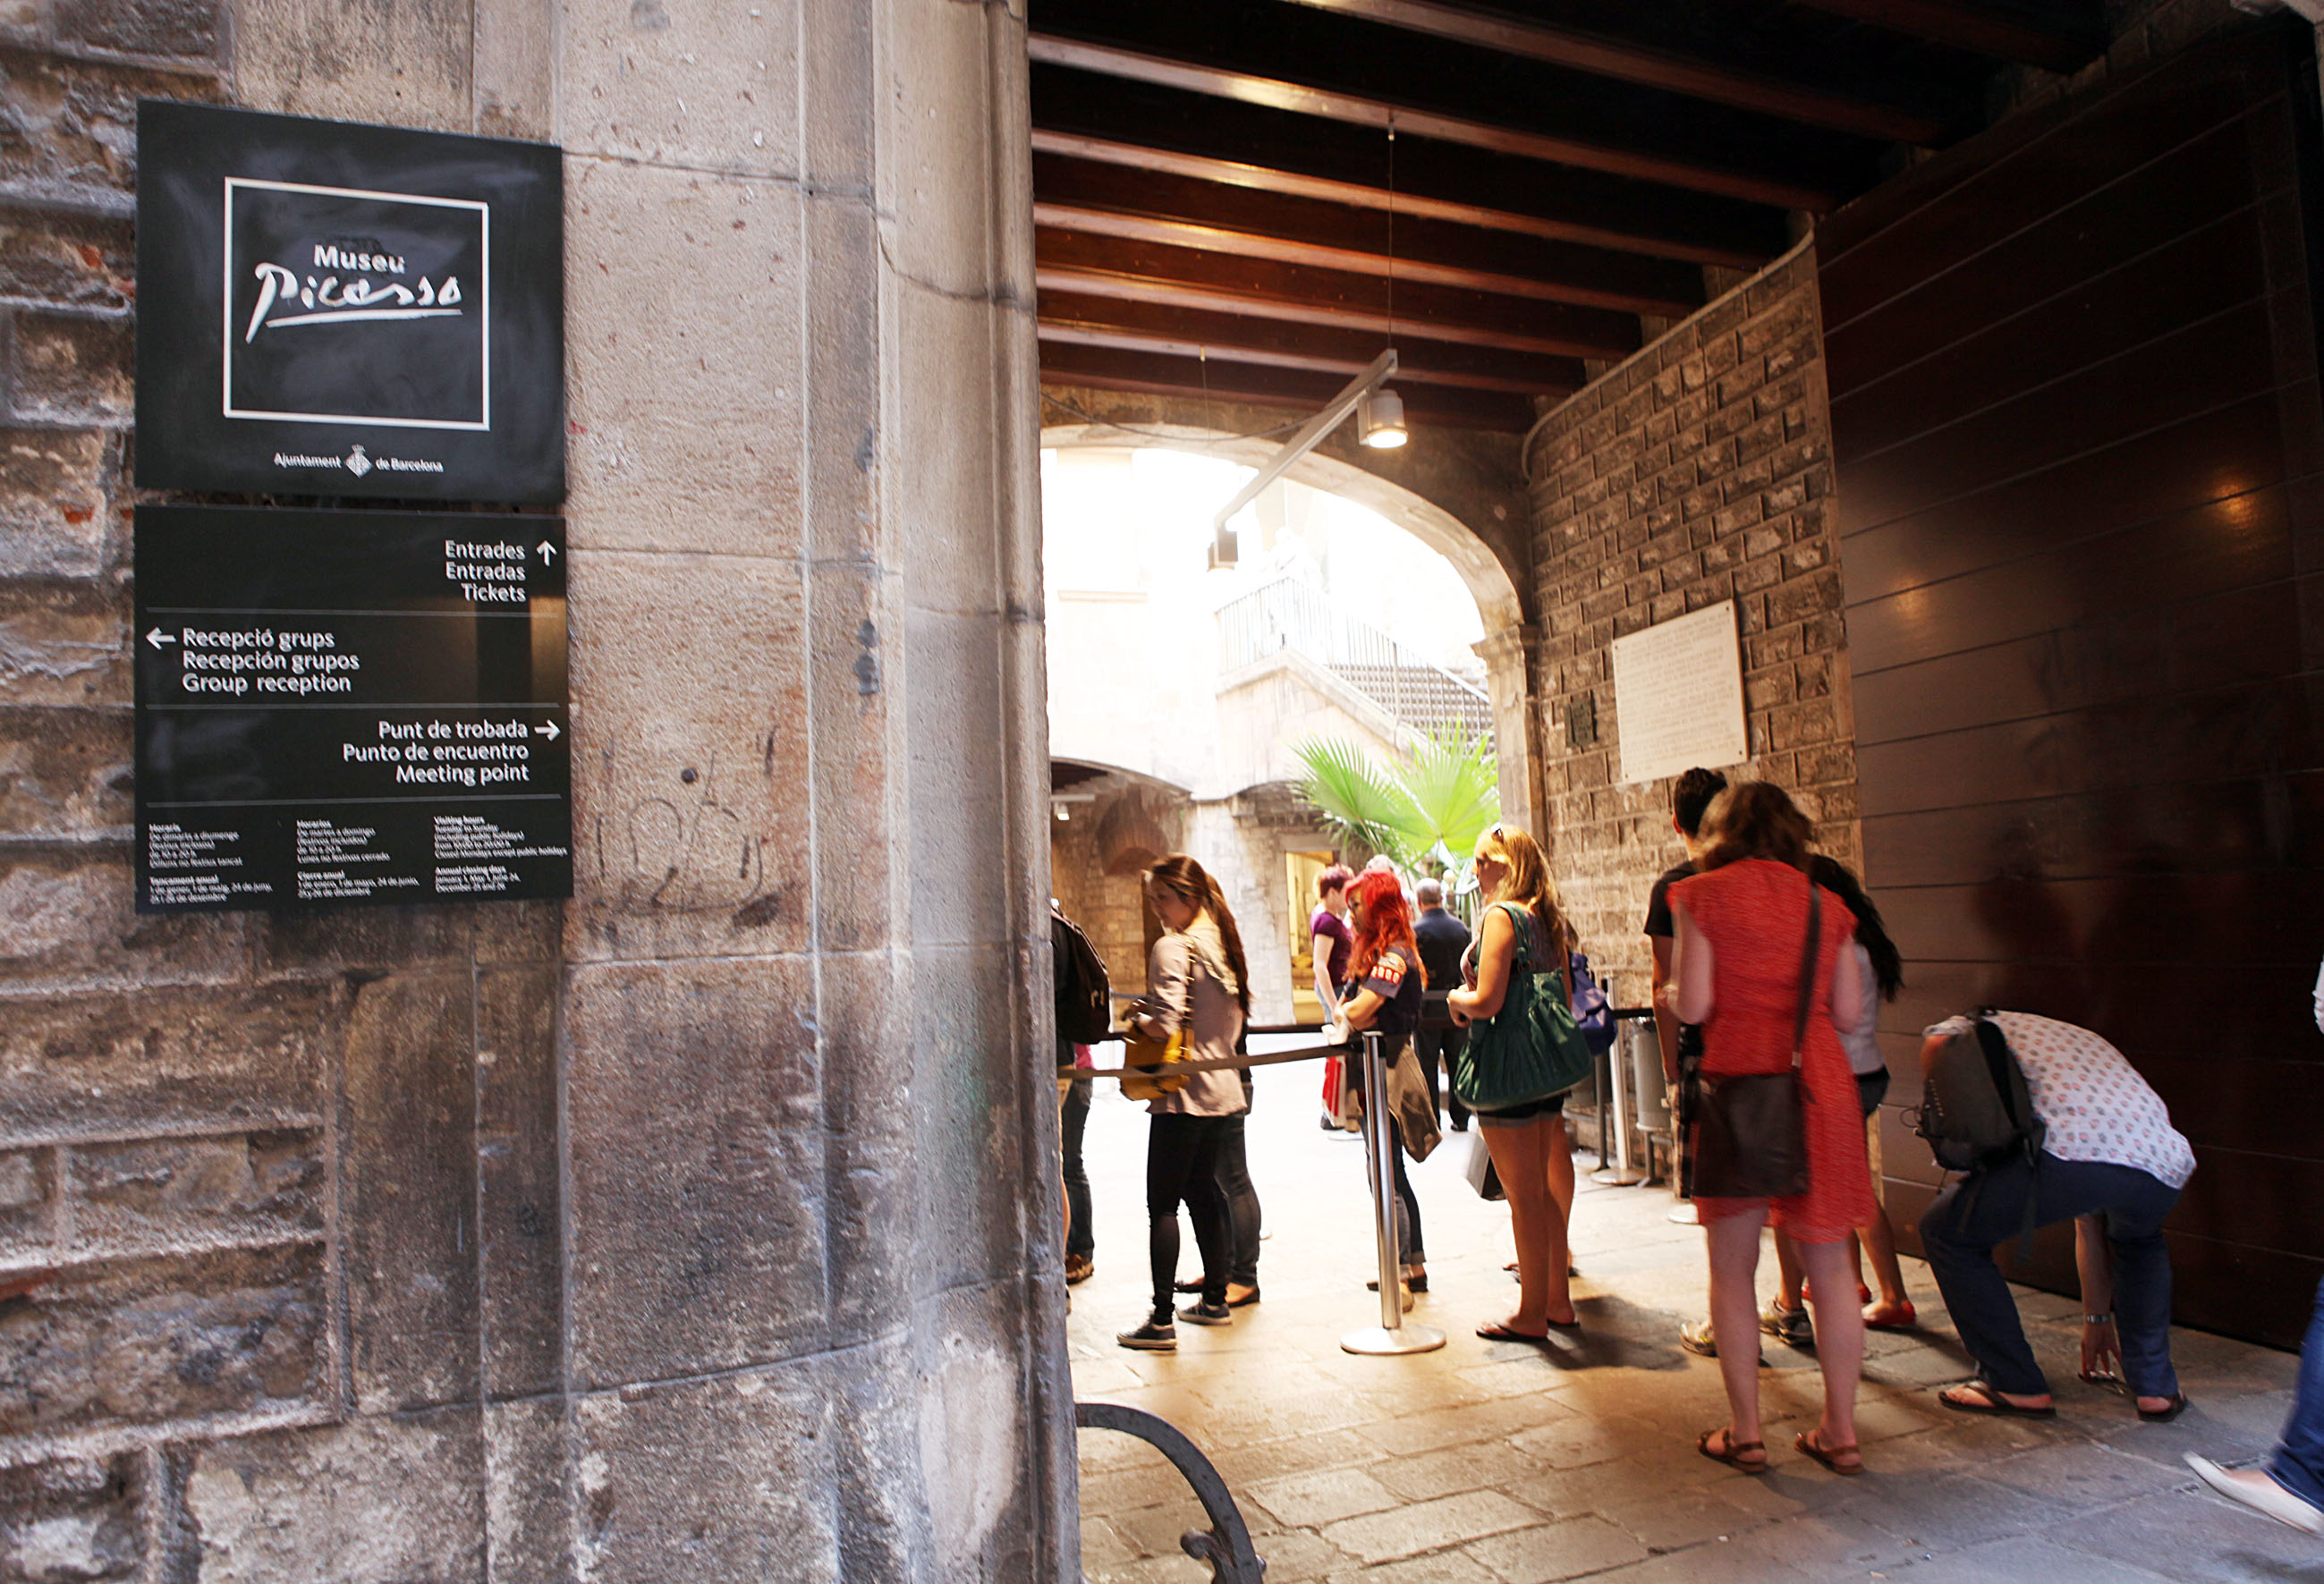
{"x": 323, "y": 282}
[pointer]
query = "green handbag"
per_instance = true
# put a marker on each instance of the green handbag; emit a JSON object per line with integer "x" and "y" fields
{"x": 1529, "y": 1050}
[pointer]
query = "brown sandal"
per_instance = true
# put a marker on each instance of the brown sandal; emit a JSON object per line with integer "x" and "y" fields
{"x": 1734, "y": 1455}
{"x": 1830, "y": 1456}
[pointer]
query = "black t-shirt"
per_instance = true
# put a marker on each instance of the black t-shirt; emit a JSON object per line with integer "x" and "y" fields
{"x": 1658, "y": 913}
{"x": 1396, "y": 980}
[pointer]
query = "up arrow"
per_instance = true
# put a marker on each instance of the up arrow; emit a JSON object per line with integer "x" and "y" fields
{"x": 547, "y": 551}
{"x": 551, "y": 732}
{"x": 157, "y": 637}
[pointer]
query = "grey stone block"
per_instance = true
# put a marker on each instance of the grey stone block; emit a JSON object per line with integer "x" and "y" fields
{"x": 54, "y": 517}
{"x": 64, "y": 772}
{"x": 62, "y": 644}
{"x": 65, "y": 259}
{"x": 688, "y": 757}
{"x": 153, "y": 1192}
{"x": 409, "y": 1192}
{"x": 377, "y": 1501}
{"x": 70, "y": 914}
{"x": 148, "y": 1342}
{"x": 74, "y": 1519}
{"x": 28, "y": 1198}
{"x": 166, "y": 1057}
{"x": 685, "y": 83}
{"x": 519, "y": 1206}
{"x": 178, "y": 30}
{"x": 697, "y": 1162}
{"x": 688, "y": 421}
{"x": 406, "y": 67}
{"x": 72, "y": 369}
{"x": 723, "y": 1479}
{"x": 528, "y": 1510}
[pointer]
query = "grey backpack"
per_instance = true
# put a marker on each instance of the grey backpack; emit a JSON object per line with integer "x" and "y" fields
{"x": 1976, "y": 1109}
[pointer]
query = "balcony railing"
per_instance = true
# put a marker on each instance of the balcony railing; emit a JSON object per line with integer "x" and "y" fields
{"x": 1288, "y": 614}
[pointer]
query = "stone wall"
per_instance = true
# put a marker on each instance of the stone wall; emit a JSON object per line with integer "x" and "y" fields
{"x": 1698, "y": 471}
{"x": 690, "y": 1230}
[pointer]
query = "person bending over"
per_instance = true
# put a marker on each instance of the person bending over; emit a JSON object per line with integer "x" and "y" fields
{"x": 2107, "y": 1151}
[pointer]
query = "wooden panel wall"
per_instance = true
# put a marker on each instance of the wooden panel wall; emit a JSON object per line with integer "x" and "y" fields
{"x": 2080, "y": 493}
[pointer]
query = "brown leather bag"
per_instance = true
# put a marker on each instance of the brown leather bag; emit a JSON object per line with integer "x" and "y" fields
{"x": 1749, "y": 1139}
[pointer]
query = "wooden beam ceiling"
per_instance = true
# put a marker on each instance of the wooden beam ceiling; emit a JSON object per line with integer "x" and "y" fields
{"x": 1072, "y": 194}
{"x": 1111, "y": 369}
{"x": 1635, "y": 61}
{"x": 1106, "y": 266}
{"x": 2054, "y": 37}
{"x": 1148, "y": 127}
{"x": 1253, "y": 197}
{"x": 1193, "y": 331}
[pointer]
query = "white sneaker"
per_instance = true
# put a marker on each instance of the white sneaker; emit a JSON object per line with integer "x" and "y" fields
{"x": 2259, "y": 1492}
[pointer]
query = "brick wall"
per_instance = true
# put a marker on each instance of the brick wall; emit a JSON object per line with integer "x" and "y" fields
{"x": 1698, "y": 471}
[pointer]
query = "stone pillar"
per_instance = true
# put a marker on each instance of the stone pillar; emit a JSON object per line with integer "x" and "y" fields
{"x": 1509, "y": 657}
{"x": 703, "y": 1228}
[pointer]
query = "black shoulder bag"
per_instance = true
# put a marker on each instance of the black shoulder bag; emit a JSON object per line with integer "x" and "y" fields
{"x": 1751, "y": 1130}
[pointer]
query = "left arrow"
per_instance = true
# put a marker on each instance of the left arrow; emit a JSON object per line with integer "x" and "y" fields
{"x": 157, "y": 637}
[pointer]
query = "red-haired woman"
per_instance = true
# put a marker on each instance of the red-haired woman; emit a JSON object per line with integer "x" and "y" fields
{"x": 1384, "y": 991}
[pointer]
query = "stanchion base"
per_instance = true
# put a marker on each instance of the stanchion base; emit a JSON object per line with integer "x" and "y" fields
{"x": 1380, "y": 1342}
{"x": 1619, "y": 1176}
{"x": 1683, "y": 1214}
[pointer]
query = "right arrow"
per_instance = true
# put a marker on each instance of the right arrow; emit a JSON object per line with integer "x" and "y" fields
{"x": 157, "y": 637}
{"x": 549, "y": 732}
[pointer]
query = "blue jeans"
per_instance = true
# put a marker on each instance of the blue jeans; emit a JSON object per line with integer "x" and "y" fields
{"x": 1964, "y": 1223}
{"x": 2298, "y": 1463}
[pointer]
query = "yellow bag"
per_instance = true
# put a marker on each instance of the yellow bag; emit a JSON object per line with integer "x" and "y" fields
{"x": 1154, "y": 1056}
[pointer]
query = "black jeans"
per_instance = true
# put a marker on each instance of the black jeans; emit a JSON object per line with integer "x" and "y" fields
{"x": 1964, "y": 1223}
{"x": 1441, "y": 1047}
{"x": 1081, "y": 1239}
{"x": 1182, "y": 1165}
{"x": 1243, "y": 1204}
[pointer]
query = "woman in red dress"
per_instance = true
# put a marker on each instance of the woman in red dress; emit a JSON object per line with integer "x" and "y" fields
{"x": 1741, "y": 925}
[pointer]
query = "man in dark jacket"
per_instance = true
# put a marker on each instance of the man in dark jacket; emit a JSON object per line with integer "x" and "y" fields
{"x": 1442, "y": 939}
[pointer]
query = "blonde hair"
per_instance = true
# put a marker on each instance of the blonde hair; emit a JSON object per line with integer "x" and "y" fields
{"x": 1525, "y": 881}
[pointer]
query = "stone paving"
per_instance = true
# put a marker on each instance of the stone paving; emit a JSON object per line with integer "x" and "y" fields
{"x": 1507, "y": 1464}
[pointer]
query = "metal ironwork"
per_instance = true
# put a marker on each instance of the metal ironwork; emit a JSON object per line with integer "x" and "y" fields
{"x": 1225, "y": 1546}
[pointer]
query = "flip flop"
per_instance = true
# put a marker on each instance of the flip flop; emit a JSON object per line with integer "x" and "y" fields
{"x": 1993, "y": 1405}
{"x": 1828, "y": 1456}
{"x": 1907, "y": 1321}
{"x": 2165, "y": 1415}
{"x": 1733, "y": 1456}
{"x": 1495, "y": 1332}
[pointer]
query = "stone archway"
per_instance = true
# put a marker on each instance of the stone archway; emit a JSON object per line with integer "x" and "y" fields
{"x": 1484, "y": 543}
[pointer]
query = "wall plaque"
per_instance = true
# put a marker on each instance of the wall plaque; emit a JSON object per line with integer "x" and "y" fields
{"x": 334, "y": 309}
{"x": 1678, "y": 696}
{"x": 345, "y": 707}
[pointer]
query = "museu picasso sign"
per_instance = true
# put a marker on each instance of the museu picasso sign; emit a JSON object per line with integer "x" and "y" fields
{"x": 356, "y": 705}
{"x": 334, "y": 309}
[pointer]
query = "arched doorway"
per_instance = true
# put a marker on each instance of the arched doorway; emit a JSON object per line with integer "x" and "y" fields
{"x": 1179, "y": 693}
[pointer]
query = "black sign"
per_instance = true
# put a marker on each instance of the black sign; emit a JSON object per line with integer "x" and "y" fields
{"x": 349, "y": 707}
{"x": 332, "y": 309}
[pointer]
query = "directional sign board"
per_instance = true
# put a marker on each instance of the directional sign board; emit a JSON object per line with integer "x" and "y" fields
{"x": 345, "y": 707}
{"x": 333, "y": 310}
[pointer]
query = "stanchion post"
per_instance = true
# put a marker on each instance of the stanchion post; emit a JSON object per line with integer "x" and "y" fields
{"x": 1391, "y": 1336}
{"x": 1617, "y": 1172}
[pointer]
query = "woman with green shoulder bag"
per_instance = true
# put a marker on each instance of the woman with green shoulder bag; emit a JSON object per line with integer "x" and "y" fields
{"x": 1523, "y": 1054}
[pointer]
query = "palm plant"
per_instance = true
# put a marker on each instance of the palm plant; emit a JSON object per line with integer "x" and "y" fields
{"x": 1429, "y": 808}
